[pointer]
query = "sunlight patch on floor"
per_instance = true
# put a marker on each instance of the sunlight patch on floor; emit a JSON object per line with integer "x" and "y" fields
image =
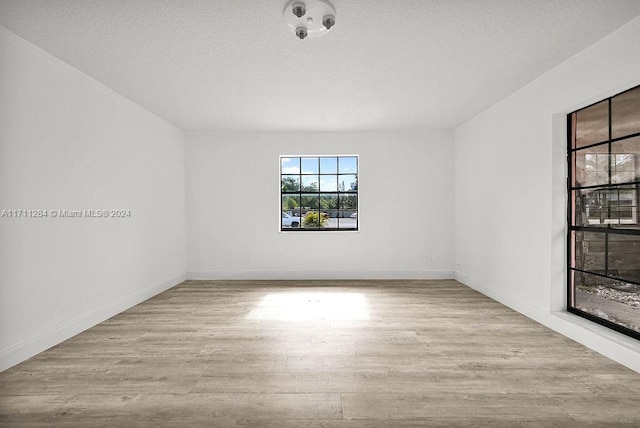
{"x": 304, "y": 306}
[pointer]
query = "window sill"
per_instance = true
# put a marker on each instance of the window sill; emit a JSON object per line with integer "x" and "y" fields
{"x": 602, "y": 331}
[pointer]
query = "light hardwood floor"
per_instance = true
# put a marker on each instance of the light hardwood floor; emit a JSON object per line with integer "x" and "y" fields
{"x": 319, "y": 354}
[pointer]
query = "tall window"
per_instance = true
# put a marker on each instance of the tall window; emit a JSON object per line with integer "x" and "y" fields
{"x": 604, "y": 233}
{"x": 319, "y": 193}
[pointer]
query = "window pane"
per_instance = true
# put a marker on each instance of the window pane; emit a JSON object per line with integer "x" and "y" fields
{"x": 329, "y": 183}
{"x": 329, "y": 207}
{"x": 290, "y": 165}
{"x": 592, "y": 124}
{"x": 348, "y": 183}
{"x": 579, "y": 214}
{"x": 348, "y": 164}
{"x": 309, "y": 165}
{"x": 625, "y": 163}
{"x": 589, "y": 167}
{"x": 329, "y": 165}
{"x": 314, "y": 219}
{"x": 348, "y": 202}
{"x": 310, "y": 183}
{"x": 290, "y": 183}
{"x": 609, "y": 299}
{"x": 309, "y": 202}
{"x": 625, "y": 113}
{"x": 610, "y": 206}
{"x": 589, "y": 251}
{"x": 624, "y": 256}
{"x": 329, "y": 201}
{"x": 291, "y": 204}
{"x": 595, "y": 166}
{"x": 290, "y": 221}
{"x": 348, "y": 219}
{"x": 332, "y": 220}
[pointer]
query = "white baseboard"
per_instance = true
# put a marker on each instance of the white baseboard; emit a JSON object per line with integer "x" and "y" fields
{"x": 20, "y": 352}
{"x": 511, "y": 301}
{"x": 304, "y": 275}
{"x": 613, "y": 345}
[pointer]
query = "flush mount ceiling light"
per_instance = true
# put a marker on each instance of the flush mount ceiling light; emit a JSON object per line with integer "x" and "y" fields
{"x": 309, "y": 18}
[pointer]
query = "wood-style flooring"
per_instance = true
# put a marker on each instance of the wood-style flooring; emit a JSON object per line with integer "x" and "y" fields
{"x": 319, "y": 354}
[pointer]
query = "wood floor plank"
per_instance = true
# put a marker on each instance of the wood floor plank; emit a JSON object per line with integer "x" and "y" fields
{"x": 205, "y": 406}
{"x": 59, "y": 409}
{"x": 322, "y": 382}
{"x": 399, "y": 353}
{"x": 446, "y": 422}
{"x": 438, "y": 404}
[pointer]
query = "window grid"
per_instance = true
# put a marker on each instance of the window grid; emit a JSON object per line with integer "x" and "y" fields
{"x": 603, "y": 152}
{"x": 319, "y": 193}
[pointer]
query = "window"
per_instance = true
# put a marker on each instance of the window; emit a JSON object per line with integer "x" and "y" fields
{"x": 604, "y": 234}
{"x": 319, "y": 193}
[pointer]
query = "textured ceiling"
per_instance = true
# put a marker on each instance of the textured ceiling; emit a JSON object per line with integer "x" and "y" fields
{"x": 387, "y": 64}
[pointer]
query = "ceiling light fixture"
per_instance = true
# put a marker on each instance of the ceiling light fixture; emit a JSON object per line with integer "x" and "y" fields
{"x": 309, "y": 18}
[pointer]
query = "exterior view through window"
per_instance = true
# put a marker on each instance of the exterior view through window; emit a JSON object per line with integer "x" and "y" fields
{"x": 318, "y": 193}
{"x": 604, "y": 233}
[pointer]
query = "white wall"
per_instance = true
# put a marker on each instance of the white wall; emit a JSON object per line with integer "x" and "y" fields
{"x": 406, "y": 202}
{"x": 68, "y": 142}
{"x": 510, "y": 183}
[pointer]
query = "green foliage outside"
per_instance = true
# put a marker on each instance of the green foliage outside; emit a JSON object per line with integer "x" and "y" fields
{"x": 329, "y": 202}
{"x": 315, "y": 219}
{"x": 311, "y": 187}
{"x": 290, "y": 184}
{"x": 348, "y": 202}
{"x": 310, "y": 201}
{"x": 290, "y": 203}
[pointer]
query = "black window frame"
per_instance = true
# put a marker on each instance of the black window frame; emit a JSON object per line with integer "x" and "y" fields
{"x": 339, "y": 193}
{"x": 575, "y": 214}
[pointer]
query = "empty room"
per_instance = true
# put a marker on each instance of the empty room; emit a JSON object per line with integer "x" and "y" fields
{"x": 319, "y": 213}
